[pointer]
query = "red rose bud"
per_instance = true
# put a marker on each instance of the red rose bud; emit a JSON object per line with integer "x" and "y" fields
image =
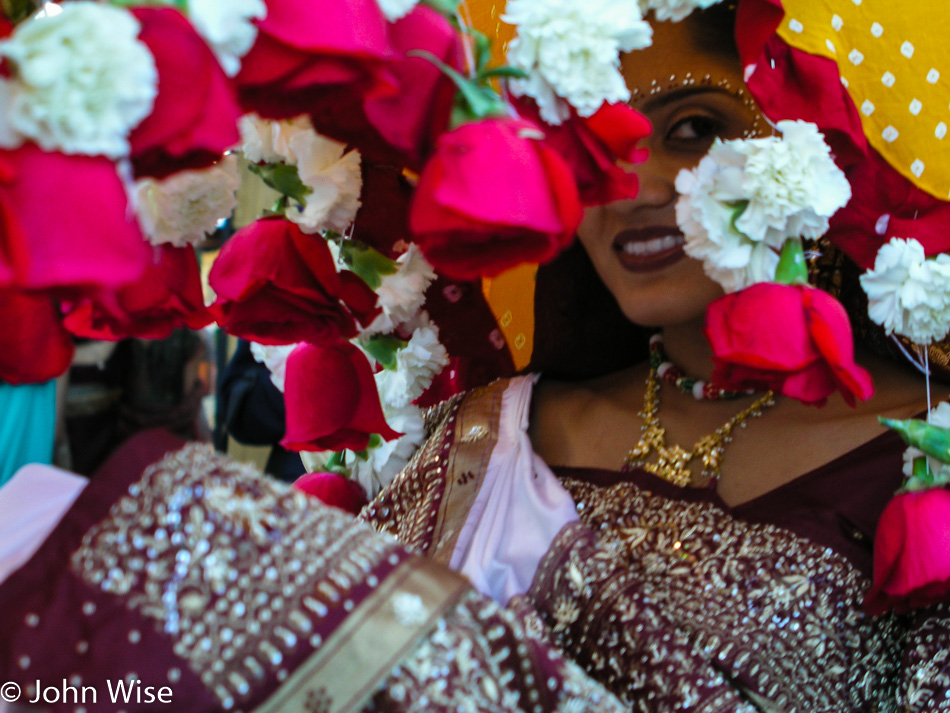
{"x": 34, "y": 346}
{"x": 593, "y": 146}
{"x": 194, "y": 120}
{"x": 491, "y": 197}
{"x": 793, "y": 339}
{"x": 401, "y": 128}
{"x": 911, "y": 553}
{"x": 311, "y": 55}
{"x": 168, "y": 296}
{"x": 332, "y": 401}
{"x": 277, "y": 285}
{"x": 333, "y": 489}
{"x": 85, "y": 240}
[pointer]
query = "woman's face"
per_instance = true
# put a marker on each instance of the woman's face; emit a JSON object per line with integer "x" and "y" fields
{"x": 691, "y": 90}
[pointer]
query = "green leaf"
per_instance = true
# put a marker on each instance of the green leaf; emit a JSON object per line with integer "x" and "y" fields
{"x": 17, "y": 10}
{"x": 449, "y": 8}
{"x": 512, "y": 72}
{"x": 383, "y": 348}
{"x": 792, "y": 268}
{"x": 738, "y": 208}
{"x": 369, "y": 264}
{"x": 481, "y": 101}
{"x": 932, "y": 440}
{"x": 284, "y": 179}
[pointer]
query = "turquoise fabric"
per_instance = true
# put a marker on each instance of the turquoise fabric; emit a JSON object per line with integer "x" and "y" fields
{"x": 27, "y": 422}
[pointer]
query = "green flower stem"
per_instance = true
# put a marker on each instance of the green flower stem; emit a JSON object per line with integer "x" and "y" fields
{"x": 475, "y": 101}
{"x": 369, "y": 264}
{"x": 932, "y": 440}
{"x": 792, "y": 269}
{"x": 449, "y": 8}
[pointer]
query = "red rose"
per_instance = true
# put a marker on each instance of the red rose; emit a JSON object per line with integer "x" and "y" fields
{"x": 886, "y": 205}
{"x": 34, "y": 346}
{"x": 57, "y": 231}
{"x": 911, "y": 553}
{"x": 332, "y": 401}
{"x": 313, "y": 54}
{"x": 167, "y": 297}
{"x": 793, "y": 339}
{"x": 277, "y": 285}
{"x": 194, "y": 120}
{"x": 333, "y": 489}
{"x": 387, "y": 223}
{"x": 593, "y": 146}
{"x": 491, "y": 197}
{"x": 401, "y": 128}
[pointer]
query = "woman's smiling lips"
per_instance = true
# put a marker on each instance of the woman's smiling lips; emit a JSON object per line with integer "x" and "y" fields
{"x": 648, "y": 249}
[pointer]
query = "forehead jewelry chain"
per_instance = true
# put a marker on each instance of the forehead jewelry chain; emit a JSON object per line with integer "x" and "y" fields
{"x": 673, "y": 462}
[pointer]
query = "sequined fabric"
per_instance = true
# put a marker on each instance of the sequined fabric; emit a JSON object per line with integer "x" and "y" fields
{"x": 676, "y": 604}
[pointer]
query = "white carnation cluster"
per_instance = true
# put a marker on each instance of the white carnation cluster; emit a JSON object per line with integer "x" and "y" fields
{"x": 376, "y": 468}
{"x": 183, "y": 208}
{"x": 396, "y": 9}
{"x": 228, "y": 27}
{"x": 81, "y": 81}
{"x": 417, "y": 364}
{"x": 570, "y": 49}
{"x": 324, "y": 166}
{"x": 940, "y": 417}
{"x": 909, "y": 294}
{"x": 674, "y": 10}
{"x": 746, "y": 197}
{"x": 401, "y": 294}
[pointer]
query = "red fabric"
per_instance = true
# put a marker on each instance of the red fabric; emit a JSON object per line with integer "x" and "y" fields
{"x": 912, "y": 553}
{"x": 34, "y": 346}
{"x": 756, "y": 22}
{"x": 168, "y": 296}
{"x": 794, "y": 340}
{"x": 194, "y": 120}
{"x": 882, "y": 199}
{"x": 277, "y": 285}
{"x": 57, "y": 232}
{"x": 332, "y": 401}
{"x": 791, "y": 84}
{"x": 401, "y": 127}
{"x": 592, "y": 147}
{"x": 313, "y": 54}
{"x": 491, "y": 197}
{"x": 333, "y": 489}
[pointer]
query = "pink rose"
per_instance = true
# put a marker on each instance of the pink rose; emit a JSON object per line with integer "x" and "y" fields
{"x": 34, "y": 346}
{"x": 401, "y": 128}
{"x": 493, "y": 196}
{"x": 167, "y": 296}
{"x": 277, "y": 285}
{"x": 911, "y": 553}
{"x": 793, "y": 339}
{"x": 194, "y": 120}
{"x": 333, "y": 489}
{"x": 332, "y": 401}
{"x": 311, "y": 55}
{"x": 593, "y": 146}
{"x": 58, "y": 232}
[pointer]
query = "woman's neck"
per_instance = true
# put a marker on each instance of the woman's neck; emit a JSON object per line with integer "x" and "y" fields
{"x": 687, "y": 347}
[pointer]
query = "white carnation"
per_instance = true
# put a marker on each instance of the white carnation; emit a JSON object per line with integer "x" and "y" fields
{"x": 82, "y": 79}
{"x": 907, "y": 293}
{"x": 417, "y": 364}
{"x": 186, "y": 206}
{"x": 570, "y": 48}
{"x": 227, "y": 27}
{"x": 674, "y": 10}
{"x": 334, "y": 180}
{"x": 401, "y": 294}
{"x": 746, "y": 197}
{"x": 384, "y": 462}
{"x": 940, "y": 417}
{"x": 396, "y": 9}
{"x": 268, "y": 141}
{"x": 275, "y": 359}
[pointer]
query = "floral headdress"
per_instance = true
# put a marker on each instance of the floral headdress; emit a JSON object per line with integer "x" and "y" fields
{"x": 405, "y": 177}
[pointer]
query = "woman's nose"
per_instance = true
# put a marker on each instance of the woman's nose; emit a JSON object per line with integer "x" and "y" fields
{"x": 656, "y": 183}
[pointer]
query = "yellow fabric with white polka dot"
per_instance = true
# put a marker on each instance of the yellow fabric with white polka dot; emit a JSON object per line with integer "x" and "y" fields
{"x": 893, "y": 60}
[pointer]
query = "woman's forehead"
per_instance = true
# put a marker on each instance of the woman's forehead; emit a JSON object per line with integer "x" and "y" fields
{"x": 682, "y": 53}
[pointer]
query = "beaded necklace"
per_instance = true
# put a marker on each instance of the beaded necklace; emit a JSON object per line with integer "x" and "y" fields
{"x": 670, "y": 373}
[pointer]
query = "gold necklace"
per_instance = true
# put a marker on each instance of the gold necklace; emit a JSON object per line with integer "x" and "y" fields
{"x": 672, "y": 463}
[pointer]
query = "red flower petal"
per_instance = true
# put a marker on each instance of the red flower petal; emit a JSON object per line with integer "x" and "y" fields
{"x": 333, "y": 489}
{"x": 34, "y": 346}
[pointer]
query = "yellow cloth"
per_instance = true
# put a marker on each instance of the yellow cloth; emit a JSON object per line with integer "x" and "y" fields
{"x": 893, "y": 59}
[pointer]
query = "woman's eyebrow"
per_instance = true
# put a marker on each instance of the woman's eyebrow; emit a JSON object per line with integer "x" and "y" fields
{"x": 660, "y": 100}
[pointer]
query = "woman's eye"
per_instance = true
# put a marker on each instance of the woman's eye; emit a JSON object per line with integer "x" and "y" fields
{"x": 694, "y": 128}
